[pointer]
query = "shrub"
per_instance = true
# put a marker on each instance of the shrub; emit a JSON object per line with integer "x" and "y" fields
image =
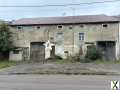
{"x": 92, "y": 53}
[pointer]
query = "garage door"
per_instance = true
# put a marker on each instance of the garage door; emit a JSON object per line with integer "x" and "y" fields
{"x": 37, "y": 51}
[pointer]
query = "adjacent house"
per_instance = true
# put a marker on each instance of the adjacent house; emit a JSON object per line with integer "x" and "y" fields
{"x": 40, "y": 38}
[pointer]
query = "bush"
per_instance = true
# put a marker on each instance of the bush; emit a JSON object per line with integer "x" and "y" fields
{"x": 92, "y": 53}
{"x": 6, "y": 43}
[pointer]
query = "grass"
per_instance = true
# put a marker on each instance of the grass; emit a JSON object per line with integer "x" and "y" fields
{"x": 7, "y": 63}
{"x": 99, "y": 61}
{"x": 58, "y": 61}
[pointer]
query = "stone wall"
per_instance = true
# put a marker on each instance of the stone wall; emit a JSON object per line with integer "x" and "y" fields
{"x": 69, "y": 39}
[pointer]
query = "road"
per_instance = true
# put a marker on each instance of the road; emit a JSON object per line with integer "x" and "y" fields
{"x": 56, "y": 82}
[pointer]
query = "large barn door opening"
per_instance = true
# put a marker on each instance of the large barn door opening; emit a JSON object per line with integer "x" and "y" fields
{"x": 37, "y": 52}
{"x": 107, "y": 48}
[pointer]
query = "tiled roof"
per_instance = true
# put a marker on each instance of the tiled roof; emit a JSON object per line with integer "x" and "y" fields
{"x": 65, "y": 20}
{"x": 118, "y": 17}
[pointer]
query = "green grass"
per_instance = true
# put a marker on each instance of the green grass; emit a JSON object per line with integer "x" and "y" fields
{"x": 99, "y": 61}
{"x": 60, "y": 61}
{"x": 64, "y": 61}
{"x": 7, "y": 63}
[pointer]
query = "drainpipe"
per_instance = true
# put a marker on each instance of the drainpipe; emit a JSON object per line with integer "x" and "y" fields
{"x": 118, "y": 40}
{"x": 73, "y": 42}
{"x": 118, "y": 43}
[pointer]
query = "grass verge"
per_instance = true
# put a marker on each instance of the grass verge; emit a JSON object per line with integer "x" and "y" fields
{"x": 7, "y": 63}
{"x": 100, "y": 61}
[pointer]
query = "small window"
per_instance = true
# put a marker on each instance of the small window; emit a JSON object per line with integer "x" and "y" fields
{"x": 19, "y": 27}
{"x": 60, "y": 33}
{"x": 81, "y": 25}
{"x": 15, "y": 51}
{"x": 81, "y": 36}
{"x": 105, "y": 25}
{"x": 70, "y": 27}
{"x": 38, "y": 27}
{"x": 51, "y": 38}
{"x": 65, "y": 51}
{"x": 59, "y": 26}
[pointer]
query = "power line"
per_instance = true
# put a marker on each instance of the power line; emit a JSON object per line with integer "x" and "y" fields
{"x": 60, "y": 5}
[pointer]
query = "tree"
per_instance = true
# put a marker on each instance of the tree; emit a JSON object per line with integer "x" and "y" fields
{"x": 5, "y": 38}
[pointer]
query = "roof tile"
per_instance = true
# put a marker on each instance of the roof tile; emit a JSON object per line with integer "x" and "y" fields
{"x": 65, "y": 20}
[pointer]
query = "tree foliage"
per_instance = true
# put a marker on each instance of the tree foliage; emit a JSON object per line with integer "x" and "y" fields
{"x": 5, "y": 38}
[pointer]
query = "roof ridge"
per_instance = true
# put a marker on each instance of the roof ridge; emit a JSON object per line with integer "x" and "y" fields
{"x": 64, "y": 16}
{"x": 66, "y": 19}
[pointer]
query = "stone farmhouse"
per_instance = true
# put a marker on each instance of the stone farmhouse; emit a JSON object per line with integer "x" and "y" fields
{"x": 40, "y": 38}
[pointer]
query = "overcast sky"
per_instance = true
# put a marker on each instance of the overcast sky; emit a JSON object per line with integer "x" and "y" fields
{"x": 11, "y": 13}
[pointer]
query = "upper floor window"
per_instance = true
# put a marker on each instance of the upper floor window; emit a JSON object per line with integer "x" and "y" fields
{"x": 81, "y": 36}
{"x": 59, "y": 26}
{"x": 71, "y": 27}
{"x": 105, "y": 25}
{"x": 38, "y": 27}
{"x": 81, "y": 25}
{"x": 19, "y": 27}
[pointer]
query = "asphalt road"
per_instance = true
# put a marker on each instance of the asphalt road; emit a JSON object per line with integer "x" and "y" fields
{"x": 55, "y": 82}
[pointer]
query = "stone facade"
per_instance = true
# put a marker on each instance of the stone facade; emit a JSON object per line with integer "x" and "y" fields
{"x": 65, "y": 37}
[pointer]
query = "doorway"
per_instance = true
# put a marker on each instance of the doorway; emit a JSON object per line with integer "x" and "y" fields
{"x": 37, "y": 51}
{"x": 107, "y": 49}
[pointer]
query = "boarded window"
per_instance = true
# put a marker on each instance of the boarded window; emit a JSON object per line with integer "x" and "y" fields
{"x": 60, "y": 38}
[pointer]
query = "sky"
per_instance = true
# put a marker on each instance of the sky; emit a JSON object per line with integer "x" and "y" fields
{"x": 13, "y": 13}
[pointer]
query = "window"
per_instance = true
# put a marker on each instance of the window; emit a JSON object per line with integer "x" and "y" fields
{"x": 81, "y": 36}
{"x": 70, "y": 27}
{"x": 60, "y": 33}
{"x": 59, "y": 26}
{"x": 38, "y": 27}
{"x": 59, "y": 37}
{"x": 105, "y": 25}
{"x": 51, "y": 38}
{"x": 15, "y": 51}
{"x": 19, "y": 27}
{"x": 65, "y": 51}
{"x": 81, "y": 25}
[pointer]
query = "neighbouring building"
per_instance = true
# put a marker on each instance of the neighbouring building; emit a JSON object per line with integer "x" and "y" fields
{"x": 40, "y": 38}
